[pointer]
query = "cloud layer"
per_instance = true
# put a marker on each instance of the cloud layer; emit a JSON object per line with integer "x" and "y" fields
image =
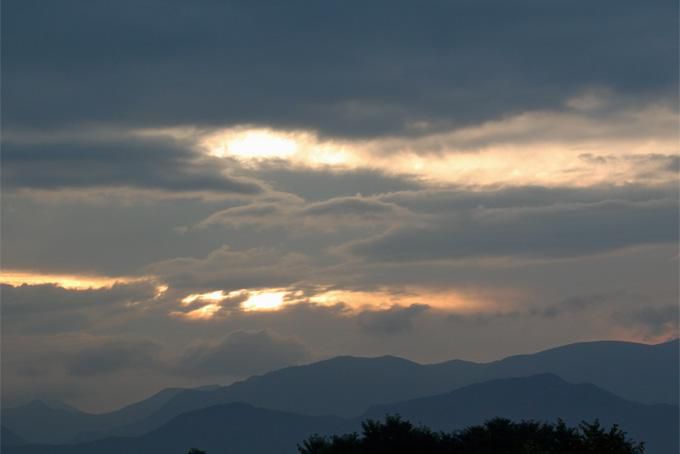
{"x": 237, "y": 186}
{"x": 344, "y": 68}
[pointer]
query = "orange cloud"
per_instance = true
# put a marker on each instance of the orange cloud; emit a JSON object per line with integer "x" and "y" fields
{"x": 67, "y": 281}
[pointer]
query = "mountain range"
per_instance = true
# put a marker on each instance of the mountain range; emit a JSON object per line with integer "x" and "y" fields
{"x": 241, "y": 428}
{"x": 347, "y": 387}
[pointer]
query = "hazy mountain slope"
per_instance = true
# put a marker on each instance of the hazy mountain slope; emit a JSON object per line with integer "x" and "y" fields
{"x": 544, "y": 398}
{"x": 9, "y": 438}
{"x": 639, "y": 372}
{"x": 232, "y": 428}
{"x": 343, "y": 386}
{"x": 41, "y": 422}
{"x": 645, "y": 373}
{"x": 241, "y": 428}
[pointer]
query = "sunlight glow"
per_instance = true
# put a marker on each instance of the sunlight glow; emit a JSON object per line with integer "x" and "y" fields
{"x": 202, "y": 313}
{"x": 302, "y": 148}
{"x": 543, "y": 148}
{"x": 275, "y": 299}
{"x": 160, "y": 290}
{"x": 71, "y": 282}
{"x": 214, "y": 297}
{"x": 264, "y": 301}
{"x": 261, "y": 144}
{"x": 252, "y": 144}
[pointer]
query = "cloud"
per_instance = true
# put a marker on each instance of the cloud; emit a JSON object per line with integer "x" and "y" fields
{"x": 351, "y": 206}
{"x": 229, "y": 269}
{"x": 501, "y": 149}
{"x": 567, "y": 230}
{"x": 574, "y": 304}
{"x": 49, "y": 309}
{"x": 467, "y": 198}
{"x": 392, "y": 67}
{"x": 111, "y": 357}
{"x": 240, "y": 354}
{"x": 327, "y": 183}
{"x": 293, "y": 213}
{"x": 394, "y": 320}
{"x": 151, "y": 164}
{"x": 652, "y": 321}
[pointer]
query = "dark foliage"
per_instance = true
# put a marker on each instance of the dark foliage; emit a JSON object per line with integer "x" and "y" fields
{"x": 496, "y": 436}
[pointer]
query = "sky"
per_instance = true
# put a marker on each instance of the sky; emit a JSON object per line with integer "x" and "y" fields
{"x": 195, "y": 192}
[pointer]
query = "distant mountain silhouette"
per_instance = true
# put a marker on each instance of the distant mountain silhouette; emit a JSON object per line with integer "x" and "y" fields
{"x": 358, "y": 383}
{"x": 347, "y": 386}
{"x": 543, "y": 397}
{"x": 9, "y": 438}
{"x": 233, "y": 428}
{"x": 240, "y": 428}
{"x": 53, "y": 422}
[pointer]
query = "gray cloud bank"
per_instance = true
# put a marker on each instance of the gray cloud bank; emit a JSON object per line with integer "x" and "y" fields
{"x": 344, "y": 68}
{"x": 162, "y": 165}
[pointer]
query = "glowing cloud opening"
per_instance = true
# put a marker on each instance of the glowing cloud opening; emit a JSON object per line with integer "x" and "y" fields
{"x": 264, "y": 301}
{"x": 202, "y": 313}
{"x": 214, "y": 297}
{"x": 66, "y": 281}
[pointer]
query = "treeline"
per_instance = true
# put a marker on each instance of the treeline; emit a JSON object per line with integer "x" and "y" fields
{"x": 496, "y": 436}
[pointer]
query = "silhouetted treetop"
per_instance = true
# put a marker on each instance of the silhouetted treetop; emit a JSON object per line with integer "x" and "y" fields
{"x": 496, "y": 436}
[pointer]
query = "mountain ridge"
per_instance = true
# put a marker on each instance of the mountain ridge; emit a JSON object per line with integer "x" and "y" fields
{"x": 243, "y": 428}
{"x": 359, "y": 383}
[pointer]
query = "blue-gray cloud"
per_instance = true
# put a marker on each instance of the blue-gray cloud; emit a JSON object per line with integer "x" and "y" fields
{"x": 144, "y": 164}
{"x": 562, "y": 230}
{"x": 110, "y": 357}
{"x": 342, "y": 67}
{"x": 241, "y": 353}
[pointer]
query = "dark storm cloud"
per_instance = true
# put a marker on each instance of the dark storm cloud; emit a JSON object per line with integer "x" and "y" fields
{"x": 240, "y": 354}
{"x": 342, "y": 67}
{"x": 112, "y": 357}
{"x": 145, "y": 164}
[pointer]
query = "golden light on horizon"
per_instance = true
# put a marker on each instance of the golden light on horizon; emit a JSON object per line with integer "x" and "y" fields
{"x": 67, "y": 281}
{"x": 275, "y": 299}
{"x": 446, "y": 300}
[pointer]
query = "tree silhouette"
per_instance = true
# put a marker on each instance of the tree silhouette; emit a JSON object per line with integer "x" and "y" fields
{"x": 196, "y": 451}
{"x": 498, "y": 435}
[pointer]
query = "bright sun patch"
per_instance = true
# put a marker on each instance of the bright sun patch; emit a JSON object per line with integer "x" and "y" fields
{"x": 298, "y": 147}
{"x": 253, "y": 144}
{"x": 264, "y": 301}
